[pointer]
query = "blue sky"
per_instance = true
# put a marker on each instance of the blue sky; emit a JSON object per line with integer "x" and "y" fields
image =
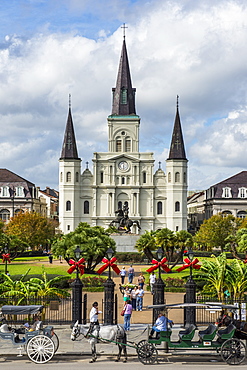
{"x": 50, "y": 49}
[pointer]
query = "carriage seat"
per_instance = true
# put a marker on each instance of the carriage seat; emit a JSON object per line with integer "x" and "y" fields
{"x": 4, "y": 328}
{"x": 209, "y": 333}
{"x": 227, "y": 333}
{"x": 188, "y": 334}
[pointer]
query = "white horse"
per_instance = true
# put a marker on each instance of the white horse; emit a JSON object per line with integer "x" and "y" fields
{"x": 103, "y": 334}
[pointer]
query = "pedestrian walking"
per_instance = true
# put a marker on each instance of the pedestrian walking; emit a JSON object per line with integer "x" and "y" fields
{"x": 127, "y": 315}
{"x": 141, "y": 280}
{"x": 133, "y": 296}
{"x": 123, "y": 274}
{"x": 50, "y": 257}
{"x": 131, "y": 274}
{"x": 139, "y": 298}
{"x": 152, "y": 280}
{"x": 126, "y": 294}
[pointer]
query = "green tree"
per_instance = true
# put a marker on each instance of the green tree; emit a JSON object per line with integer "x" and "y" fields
{"x": 183, "y": 240}
{"x": 165, "y": 239}
{"x": 236, "y": 281}
{"x": 214, "y": 273}
{"x": 215, "y": 231}
{"x": 146, "y": 244}
{"x": 93, "y": 242}
{"x": 31, "y": 229}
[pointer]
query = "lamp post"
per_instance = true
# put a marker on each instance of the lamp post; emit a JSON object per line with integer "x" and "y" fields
{"x": 6, "y": 251}
{"x": 158, "y": 288}
{"x": 13, "y": 201}
{"x": 77, "y": 292}
{"x": 190, "y": 312}
{"x": 109, "y": 293}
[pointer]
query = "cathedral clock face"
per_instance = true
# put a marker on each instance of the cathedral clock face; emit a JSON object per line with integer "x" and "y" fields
{"x": 123, "y": 166}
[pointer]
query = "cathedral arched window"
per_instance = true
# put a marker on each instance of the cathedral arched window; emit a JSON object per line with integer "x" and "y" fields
{"x": 101, "y": 177}
{"x": 123, "y": 180}
{"x": 169, "y": 177}
{"x": 177, "y": 177}
{"x": 86, "y": 207}
{"x": 120, "y": 204}
{"x": 68, "y": 176}
{"x": 159, "y": 208}
{"x": 144, "y": 177}
{"x": 185, "y": 178}
{"x": 177, "y": 207}
{"x": 68, "y": 205}
{"x": 118, "y": 145}
{"x": 128, "y": 145}
{"x": 77, "y": 177}
{"x": 61, "y": 176}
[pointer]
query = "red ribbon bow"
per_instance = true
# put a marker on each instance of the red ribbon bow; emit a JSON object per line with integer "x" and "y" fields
{"x": 75, "y": 265}
{"x": 192, "y": 264}
{"x": 6, "y": 257}
{"x": 108, "y": 263}
{"x": 159, "y": 264}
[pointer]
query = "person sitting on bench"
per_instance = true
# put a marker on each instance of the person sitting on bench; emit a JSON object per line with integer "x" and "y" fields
{"x": 160, "y": 325}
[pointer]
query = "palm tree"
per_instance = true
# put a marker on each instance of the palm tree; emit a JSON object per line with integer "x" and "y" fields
{"x": 165, "y": 238}
{"x": 183, "y": 240}
{"x": 237, "y": 279}
{"x": 146, "y": 244}
{"x": 215, "y": 274}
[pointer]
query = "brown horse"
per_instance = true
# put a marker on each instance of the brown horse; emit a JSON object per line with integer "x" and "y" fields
{"x": 241, "y": 326}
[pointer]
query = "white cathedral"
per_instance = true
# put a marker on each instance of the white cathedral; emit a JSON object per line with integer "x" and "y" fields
{"x": 123, "y": 174}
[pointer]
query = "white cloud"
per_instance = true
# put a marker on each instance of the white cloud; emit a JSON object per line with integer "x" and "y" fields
{"x": 193, "y": 49}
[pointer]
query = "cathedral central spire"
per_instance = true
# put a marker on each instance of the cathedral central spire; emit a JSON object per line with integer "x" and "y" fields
{"x": 123, "y": 94}
{"x": 69, "y": 149}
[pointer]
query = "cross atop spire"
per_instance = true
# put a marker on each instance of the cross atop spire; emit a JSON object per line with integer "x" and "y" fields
{"x": 124, "y": 28}
{"x": 177, "y": 150}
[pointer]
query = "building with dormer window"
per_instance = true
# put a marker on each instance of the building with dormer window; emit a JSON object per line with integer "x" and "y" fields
{"x": 123, "y": 174}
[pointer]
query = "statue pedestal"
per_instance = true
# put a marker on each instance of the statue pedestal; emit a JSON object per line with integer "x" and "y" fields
{"x": 125, "y": 242}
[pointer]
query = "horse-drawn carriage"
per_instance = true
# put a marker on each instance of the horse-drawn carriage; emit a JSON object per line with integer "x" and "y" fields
{"x": 227, "y": 342}
{"x": 39, "y": 343}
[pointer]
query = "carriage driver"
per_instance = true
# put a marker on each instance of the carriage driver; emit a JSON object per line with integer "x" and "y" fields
{"x": 160, "y": 324}
{"x": 94, "y": 322}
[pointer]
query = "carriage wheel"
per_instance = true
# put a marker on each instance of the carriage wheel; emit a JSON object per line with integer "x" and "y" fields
{"x": 55, "y": 340}
{"x": 147, "y": 352}
{"x": 233, "y": 351}
{"x": 40, "y": 349}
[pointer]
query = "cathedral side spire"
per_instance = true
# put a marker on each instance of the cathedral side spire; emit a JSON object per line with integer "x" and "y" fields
{"x": 177, "y": 150}
{"x": 123, "y": 94}
{"x": 69, "y": 148}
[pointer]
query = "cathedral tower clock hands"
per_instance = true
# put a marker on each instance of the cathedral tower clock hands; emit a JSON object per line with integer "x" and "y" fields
{"x": 123, "y": 166}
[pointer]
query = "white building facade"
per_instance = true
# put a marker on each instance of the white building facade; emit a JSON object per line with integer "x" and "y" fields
{"x": 123, "y": 174}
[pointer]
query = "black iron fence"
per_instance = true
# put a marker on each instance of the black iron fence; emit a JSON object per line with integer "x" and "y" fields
{"x": 56, "y": 310}
{"x": 209, "y": 315}
{"x": 115, "y": 310}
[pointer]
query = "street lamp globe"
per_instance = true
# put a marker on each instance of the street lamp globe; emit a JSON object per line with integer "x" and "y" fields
{"x": 6, "y": 249}
{"x": 109, "y": 253}
{"x": 77, "y": 253}
{"x": 159, "y": 253}
{"x": 190, "y": 254}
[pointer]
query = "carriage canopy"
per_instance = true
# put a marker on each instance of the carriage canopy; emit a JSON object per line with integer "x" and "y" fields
{"x": 21, "y": 310}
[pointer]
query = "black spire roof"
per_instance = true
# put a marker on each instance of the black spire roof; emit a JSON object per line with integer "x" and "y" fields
{"x": 177, "y": 150}
{"x": 124, "y": 94}
{"x": 69, "y": 149}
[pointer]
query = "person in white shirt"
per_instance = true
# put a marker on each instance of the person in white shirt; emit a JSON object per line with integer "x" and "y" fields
{"x": 139, "y": 298}
{"x": 152, "y": 280}
{"x": 161, "y": 324}
{"x": 93, "y": 318}
{"x": 123, "y": 274}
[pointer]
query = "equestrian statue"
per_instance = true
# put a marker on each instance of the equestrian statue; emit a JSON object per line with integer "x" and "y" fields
{"x": 123, "y": 221}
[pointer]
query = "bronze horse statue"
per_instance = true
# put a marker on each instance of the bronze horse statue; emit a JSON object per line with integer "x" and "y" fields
{"x": 241, "y": 326}
{"x": 123, "y": 221}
